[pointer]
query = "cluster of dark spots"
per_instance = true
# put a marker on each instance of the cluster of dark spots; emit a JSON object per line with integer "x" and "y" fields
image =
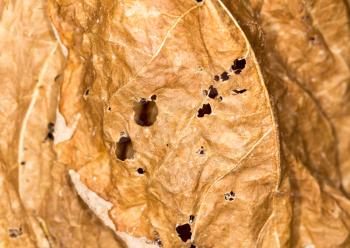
{"x": 205, "y": 110}
{"x": 230, "y": 196}
{"x": 124, "y": 149}
{"x": 239, "y": 91}
{"x": 225, "y": 76}
{"x": 51, "y": 130}
{"x": 140, "y": 170}
{"x": 154, "y": 97}
{"x": 15, "y": 232}
{"x": 238, "y": 65}
{"x": 184, "y": 232}
{"x": 213, "y": 92}
{"x": 191, "y": 219}
{"x": 145, "y": 112}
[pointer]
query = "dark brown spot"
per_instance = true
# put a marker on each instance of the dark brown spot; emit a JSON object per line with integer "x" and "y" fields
{"x": 87, "y": 92}
{"x": 239, "y": 91}
{"x": 145, "y": 112}
{"x": 225, "y": 76}
{"x": 154, "y": 97}
{"x": 238, "y": 64}
{"x": 109, "y": 109}
{"x": 238, "y": 71}
{"x": 216, "y": 78}
{"x": 205, "y": 92}
{"x": 213, "y": 92}
{"x": 205, "y": 110}
{"x": 193, "y": 246}
{"x": 124, "y": 148}
{"x": 23, "y": 163}
{"x": 184, "y": 232}
{"x": 140, "y": 171}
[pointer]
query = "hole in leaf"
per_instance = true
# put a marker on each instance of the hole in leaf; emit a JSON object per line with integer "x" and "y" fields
{"x": 184, "y": 232}
{"x": 225, "y": 76}
{"x": 191, "y": 219}
{"x": 140, "y": 171}
{"x": 239, "y": 91}
{"x": 206, "y": 109}
{"x": 124, "y": 148}
{"x": 201, "y": 151}
{"x": 213, "y": 92}
{"x": 229, "y": 196}
{"x": 51, "y": 128}
{"x": 154, "y": 97}
{"x": 238, "y": 64}
{"x": 145, "y": 112}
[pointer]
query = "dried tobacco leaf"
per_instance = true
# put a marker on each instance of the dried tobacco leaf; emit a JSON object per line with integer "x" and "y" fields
{"x": 104, "y": 117}
{"x": 239, "y": 133}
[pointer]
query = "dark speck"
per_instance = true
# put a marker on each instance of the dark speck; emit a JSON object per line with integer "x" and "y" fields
{"x": 154, "y": 97}
{"x": 216, "y": 78}
{"x": 213, "y": 92}
{"x": 23, "y": 163}
{"x": 206, "y": 109}
{"x": 225, "y": 76}
{"x": 87, "y": 92}
{"x": 184, "y": 232}
{"x": 193, "y": 246}
{"x": 205, "y": 92}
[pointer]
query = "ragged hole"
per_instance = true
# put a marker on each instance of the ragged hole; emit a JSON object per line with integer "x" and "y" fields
{"x": 184, "y": 232}
{"x": 205, "y": 110}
